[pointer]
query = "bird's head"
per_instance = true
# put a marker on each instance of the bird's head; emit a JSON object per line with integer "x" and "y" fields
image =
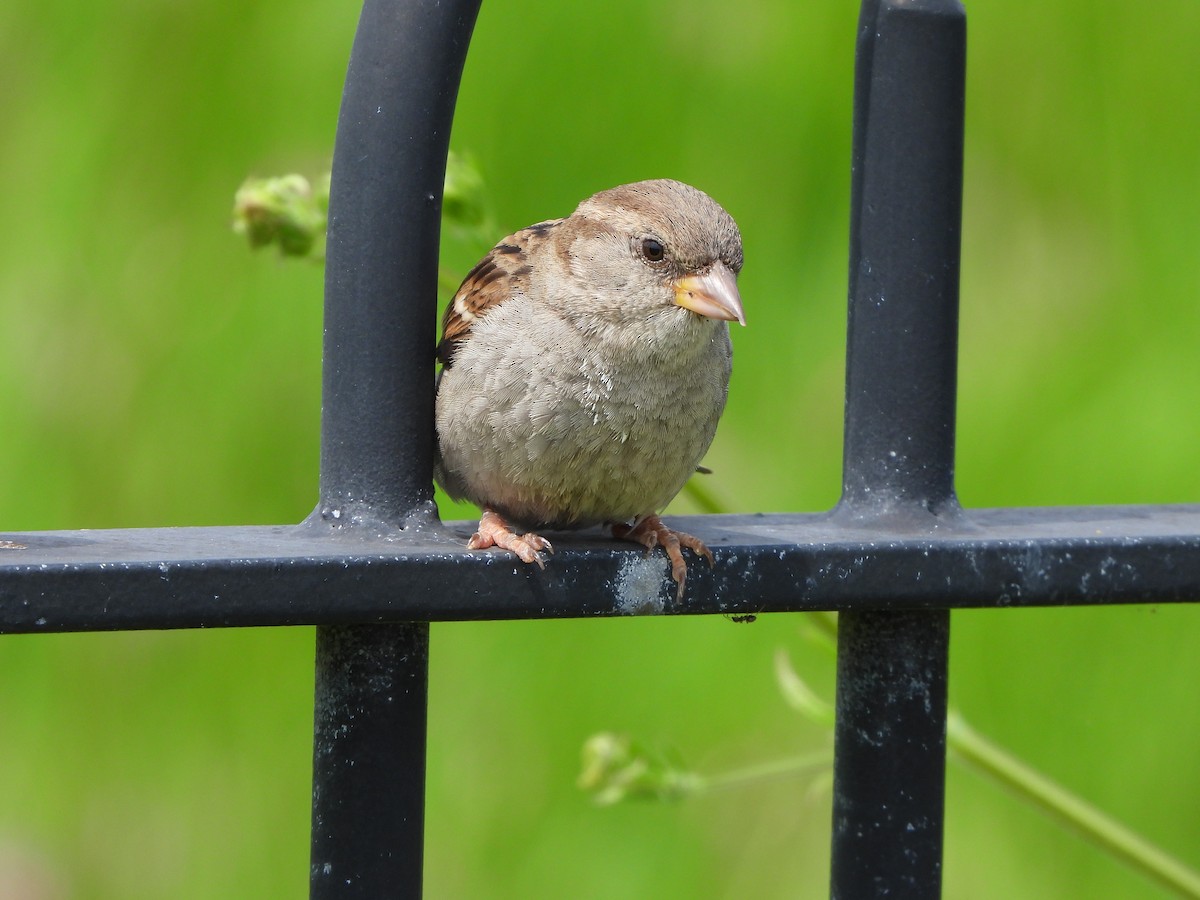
{"x": 659, "y": 250}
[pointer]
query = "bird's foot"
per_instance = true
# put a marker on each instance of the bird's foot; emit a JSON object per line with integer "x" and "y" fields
{"x": 650, "y": 532}
{"x": 494, "y": 532}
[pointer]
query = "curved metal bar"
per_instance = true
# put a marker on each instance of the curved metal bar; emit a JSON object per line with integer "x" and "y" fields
{"x": 385, "y": 203}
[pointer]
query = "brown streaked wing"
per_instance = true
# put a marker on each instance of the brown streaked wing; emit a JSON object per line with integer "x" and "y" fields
{"x": 493, "y": 280}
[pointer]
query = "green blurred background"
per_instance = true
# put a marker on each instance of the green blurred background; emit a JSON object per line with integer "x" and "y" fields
{"x": 154, "y": 372}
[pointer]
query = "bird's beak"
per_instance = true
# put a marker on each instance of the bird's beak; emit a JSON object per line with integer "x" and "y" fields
{"x": 712, "y": 293}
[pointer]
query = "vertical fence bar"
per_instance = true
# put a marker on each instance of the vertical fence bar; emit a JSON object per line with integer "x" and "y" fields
{"x": 889, "y": 770}
{"x": 905, "y": 228}
{"x": 385, "y": 204}
{"x": 890, "y": 752}
{"x": 377, "y": 431}
{"x": 369, "y": 760}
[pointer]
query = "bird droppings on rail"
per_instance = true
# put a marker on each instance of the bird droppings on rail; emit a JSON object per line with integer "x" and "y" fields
{"x": 639, "y": 584}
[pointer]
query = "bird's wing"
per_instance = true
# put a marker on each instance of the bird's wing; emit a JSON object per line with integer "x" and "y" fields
{"x": 495, "y": 279}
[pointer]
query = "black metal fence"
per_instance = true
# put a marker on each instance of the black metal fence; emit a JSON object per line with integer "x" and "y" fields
{"x": 372, "y": 566}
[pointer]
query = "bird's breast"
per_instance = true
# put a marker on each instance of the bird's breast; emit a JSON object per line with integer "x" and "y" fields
{"x": 570, "y": 431}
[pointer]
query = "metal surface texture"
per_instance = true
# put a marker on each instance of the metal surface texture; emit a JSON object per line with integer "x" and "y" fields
{"x": 889, "y": 752}
{"x": 295, "y": 575}
{"x": 905, "y": 215}
{"x": 901, "y": 363}
{"x": 369, "y": 760}
{"x": 385, "y": 206}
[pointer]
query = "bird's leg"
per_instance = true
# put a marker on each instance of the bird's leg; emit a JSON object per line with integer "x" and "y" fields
{"x": 494, "y": 532}
{"x": 650, "y": 532}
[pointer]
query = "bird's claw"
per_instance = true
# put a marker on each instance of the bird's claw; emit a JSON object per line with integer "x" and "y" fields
{"x": 494, "y": 532}
{"x": 650, "y": 532}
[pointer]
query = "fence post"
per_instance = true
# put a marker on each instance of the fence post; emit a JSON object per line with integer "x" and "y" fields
{"x": 369, "y": 760}
{"x": 377, "y": 432}
{"x": 890, "y": 752}
{"x": 889, "y": 769}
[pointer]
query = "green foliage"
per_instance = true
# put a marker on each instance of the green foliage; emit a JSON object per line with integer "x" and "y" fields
{"x": 465, "y": 212}
{"x": 616, "y": 768}
{"x": 153, "y": 373}
{"x": 284, "y": 210}
{"x": 291, "y": 213}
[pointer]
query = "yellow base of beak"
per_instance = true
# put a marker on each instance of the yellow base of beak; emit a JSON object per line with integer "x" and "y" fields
{"x": 713, "y": 294}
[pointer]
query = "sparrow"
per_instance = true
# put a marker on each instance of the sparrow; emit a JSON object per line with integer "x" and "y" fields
{"x": 585, "y": 363}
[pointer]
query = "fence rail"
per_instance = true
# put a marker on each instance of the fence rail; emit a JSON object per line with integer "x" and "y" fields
{"x": 373, "y": 566}
{"x": 292, "y": 575}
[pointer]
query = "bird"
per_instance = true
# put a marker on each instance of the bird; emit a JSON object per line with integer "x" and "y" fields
{"x": 585, "y": 362}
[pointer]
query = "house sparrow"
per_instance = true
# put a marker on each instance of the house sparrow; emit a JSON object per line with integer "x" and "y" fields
{"x": 585, "y": 362}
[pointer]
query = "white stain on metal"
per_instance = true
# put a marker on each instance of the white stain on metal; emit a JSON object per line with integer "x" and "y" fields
{"x": 639, "y": 584}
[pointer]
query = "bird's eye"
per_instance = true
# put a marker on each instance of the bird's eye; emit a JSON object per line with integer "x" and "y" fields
{"x": 653, "y": 250}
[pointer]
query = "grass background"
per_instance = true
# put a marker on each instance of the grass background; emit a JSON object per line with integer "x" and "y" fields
{"x": 153, "y": 372}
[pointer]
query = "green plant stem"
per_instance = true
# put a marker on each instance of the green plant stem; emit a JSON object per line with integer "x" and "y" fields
{"x": 986, "y": 758}
{"x": 765, "y": 771}
{"x": 1086, "y": 820}
{"x": 704, "y": 499}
